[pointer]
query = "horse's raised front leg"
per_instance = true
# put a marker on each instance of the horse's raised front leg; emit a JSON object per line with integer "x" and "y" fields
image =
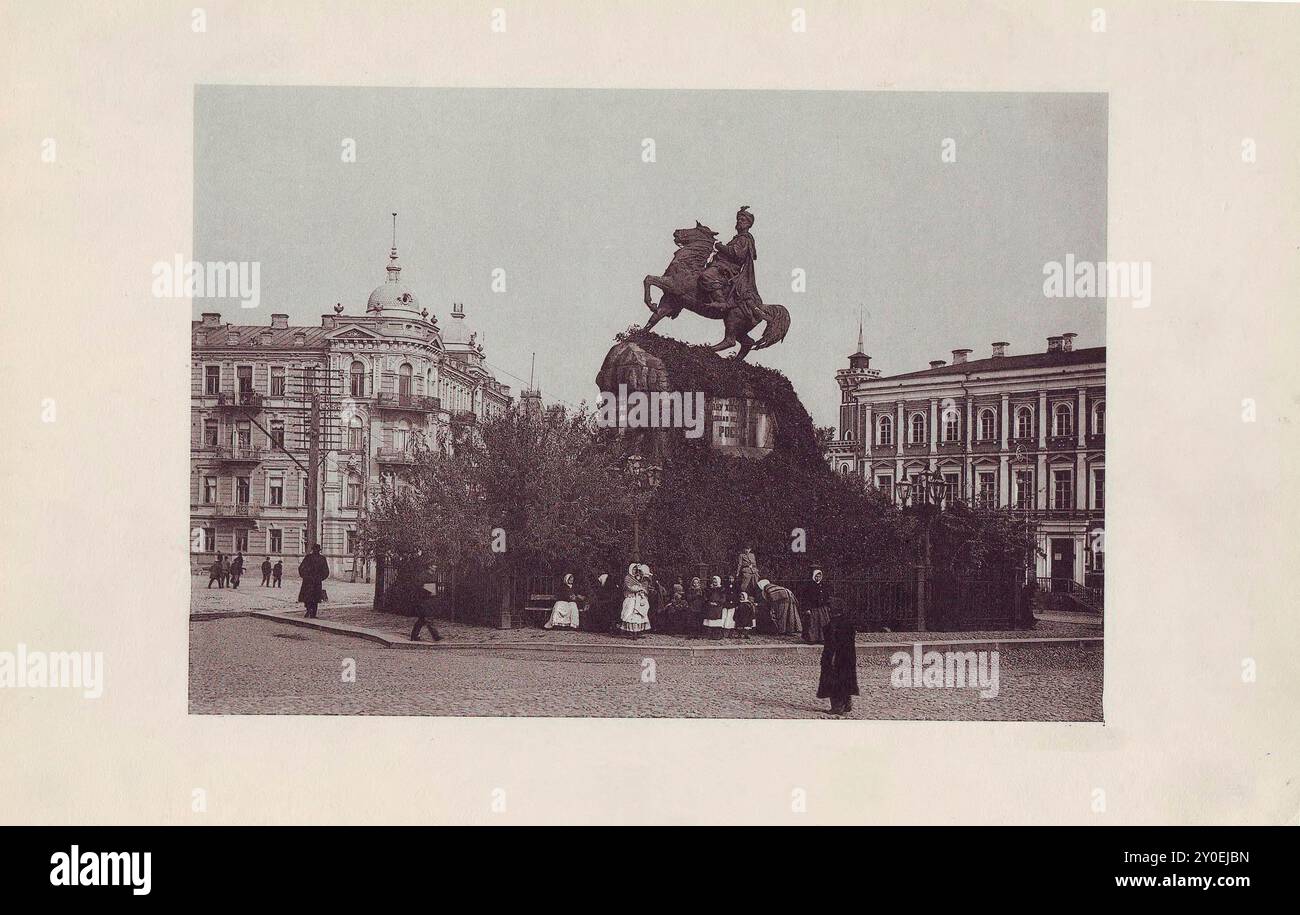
{"x": 727, "y": 343}
{"x": 647, "y": 283}
{"x": 658, "y": 316}
{"x": 746, "y": 344}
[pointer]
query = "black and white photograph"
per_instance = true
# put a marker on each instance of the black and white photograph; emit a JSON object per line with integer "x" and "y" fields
{"x": 868, "y": 413}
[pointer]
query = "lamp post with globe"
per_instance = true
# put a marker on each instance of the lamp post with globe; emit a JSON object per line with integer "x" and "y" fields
{"x": 923, "y": 496}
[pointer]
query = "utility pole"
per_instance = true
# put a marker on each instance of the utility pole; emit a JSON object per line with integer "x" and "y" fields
{"x": 313, "y": 472}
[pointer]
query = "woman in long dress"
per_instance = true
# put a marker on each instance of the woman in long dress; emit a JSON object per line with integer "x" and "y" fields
{"x": 634, "y": 621}
{"x": 715, "y": 609}
{"x": 814, "y": 605}
{"x": 564, "y": 615}
{"x": 782, "y": 608}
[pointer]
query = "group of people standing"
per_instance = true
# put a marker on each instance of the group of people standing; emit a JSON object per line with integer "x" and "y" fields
{"x": 227, "y": 572}
{"x": 730, "y": 607}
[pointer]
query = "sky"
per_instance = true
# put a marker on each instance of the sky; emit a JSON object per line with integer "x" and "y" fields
{"x": 552, "y": 187}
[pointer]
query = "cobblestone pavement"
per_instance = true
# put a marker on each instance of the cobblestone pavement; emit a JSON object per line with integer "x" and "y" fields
{"x": 250, "y": 595}
{"x": 399, "y": 627}
{"x": 249, "y": 666}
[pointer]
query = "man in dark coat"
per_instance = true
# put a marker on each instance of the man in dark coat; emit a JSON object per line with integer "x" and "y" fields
{"x": 266, "y": 572}
{"x": 277, "y": 573}
{"x": 408, "y": 595}
{"x": 839, "y": 673}
{"x": 217, "y": 572}
{"x": 313, "y": 570}
{"x": 236, "y": 570}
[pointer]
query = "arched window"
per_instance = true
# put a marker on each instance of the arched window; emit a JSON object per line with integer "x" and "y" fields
{"x": 1025, "y": 422}
{"x": 988, "y": 424}
{"x": 917, "y": 427}
{"x": 1062, "y": 417}
{"x": 358, "y": 375}
{"x": 404, "y": 380}
{"x": 885, "y": 431}
{"x": 951, "y": 425}
{"x": 355, "y": 440}
{"x": 1099, "y": 418}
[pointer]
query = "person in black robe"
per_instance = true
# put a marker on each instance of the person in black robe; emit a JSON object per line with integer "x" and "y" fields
{"x": 813, "y": 607}
{"x": 695, "y": 599}
{"x": 839, "y": 670}
{"x": 313, "y": 570}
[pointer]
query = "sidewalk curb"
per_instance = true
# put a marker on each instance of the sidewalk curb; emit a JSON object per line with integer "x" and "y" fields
{"x": 680, "y": 650}
{"x": 198, "y": 616}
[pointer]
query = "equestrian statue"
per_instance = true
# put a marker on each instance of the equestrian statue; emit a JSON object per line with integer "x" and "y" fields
{"x": 716, "y": 280}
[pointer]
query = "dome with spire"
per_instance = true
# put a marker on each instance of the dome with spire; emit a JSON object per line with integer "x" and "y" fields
{"x": 393, "y": 293}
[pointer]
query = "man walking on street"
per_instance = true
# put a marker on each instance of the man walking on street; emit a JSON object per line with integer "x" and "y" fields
{"x": 313, "y": 570}
{"x": 277, "y": 572}
{"x": 236, "y": 570}
{"x": 266, "y": 572}
{"x": 216, "y": 572}
{"x": 839, "y": 671}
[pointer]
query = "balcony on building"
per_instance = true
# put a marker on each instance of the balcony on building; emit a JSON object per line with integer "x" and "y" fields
{"x": 407, "y": 403}
{"x": 464, "y": 417}
{"x": 393, "y": 456}
{"x": 238, "y": 510}
{"x": 242, "y": 400}
{"x": 233, "y": 455}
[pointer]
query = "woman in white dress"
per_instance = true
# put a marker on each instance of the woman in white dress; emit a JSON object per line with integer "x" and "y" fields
{"x": 635, "y": 618}
{"x": 564, "y": 615}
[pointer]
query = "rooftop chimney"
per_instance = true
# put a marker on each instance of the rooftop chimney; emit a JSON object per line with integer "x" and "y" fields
{"x": 1000, "y": 349}
{"x": 1067, "y": 342}
{"x": 211, "y": 319}
{"x": 280, "y": 321}
{"x": 1054, "y": 344}
{"x": 935, "y": 363}
{"x": 959, "y": 356}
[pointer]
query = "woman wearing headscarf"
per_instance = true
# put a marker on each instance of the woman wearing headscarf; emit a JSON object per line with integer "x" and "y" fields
{"x": 695, "y": 598}
{"x": 597, "y": 616}
{"x": 782, "y": 608}
{"x": 564, "y": 615}
{"x": 814, "y": 607}
{"x": 744, "y": 614}
{"x": 634, "y": 621}
{"x": 715, "y": 608}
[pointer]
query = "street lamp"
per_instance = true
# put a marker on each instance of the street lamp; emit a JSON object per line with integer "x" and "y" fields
{"x": 924, "y": 496}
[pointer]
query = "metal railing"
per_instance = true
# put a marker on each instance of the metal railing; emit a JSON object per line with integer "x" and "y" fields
{"x": 247, "y": 399}
{"x": 419, "y": 403}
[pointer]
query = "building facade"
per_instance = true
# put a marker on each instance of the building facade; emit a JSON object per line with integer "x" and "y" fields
{"x": 1024, "y": 433}
{"x": 386, "y": 378}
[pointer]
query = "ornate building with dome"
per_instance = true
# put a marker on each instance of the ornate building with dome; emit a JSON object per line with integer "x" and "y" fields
{"x": 384, "y": 379}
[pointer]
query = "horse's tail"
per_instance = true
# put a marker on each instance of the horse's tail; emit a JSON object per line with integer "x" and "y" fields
{"x": 778, "y": 323}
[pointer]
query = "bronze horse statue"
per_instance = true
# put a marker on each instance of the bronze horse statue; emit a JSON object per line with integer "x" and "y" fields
{"x": 680, "y": 287}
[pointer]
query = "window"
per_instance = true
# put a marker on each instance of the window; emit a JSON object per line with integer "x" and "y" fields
{"x": 917, "y": 426}
{"x": 885, "y": 431}
{"x": 276, "y": 540}
{"x": 1062, "y": 489}
{"x": 241, "y": 540}
{"x": 277, "y": 381}
{"x": 988, "y": 422}
{"x": 242, "y": 490}
{"x": 245, "y": 375}
{"x": 1025, "y": 422}
{"x": 885, "y": 483}
{"x": 355, "y": 441}
{"x": 209, "y": 490}
{"x": 1099, "y": 488}
{"x": 952, "y": 486}
{"x": 243, "y": 435}
{"x": 276, "y": 490}
{"x": 211, "y": 379}
{"x": 209, "y": 540}
{"x": 1024, "y": 489}
{"x": 352, "y": 543}
{"x": 404, "y": 381}
{"x": 277, "y": 433}
{"x": 1062, "y": 420}
{"x": 211, "y": 433}
{"x": 951, "y": 425}
{"x": 1097, "y": 558}
{"x": 358, "y": 380}
{"x": 1099, "y": 418}
{"x": 401, "y": 436}
{"x": 353, "y": 493}
{"x": 987, "y": 493}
